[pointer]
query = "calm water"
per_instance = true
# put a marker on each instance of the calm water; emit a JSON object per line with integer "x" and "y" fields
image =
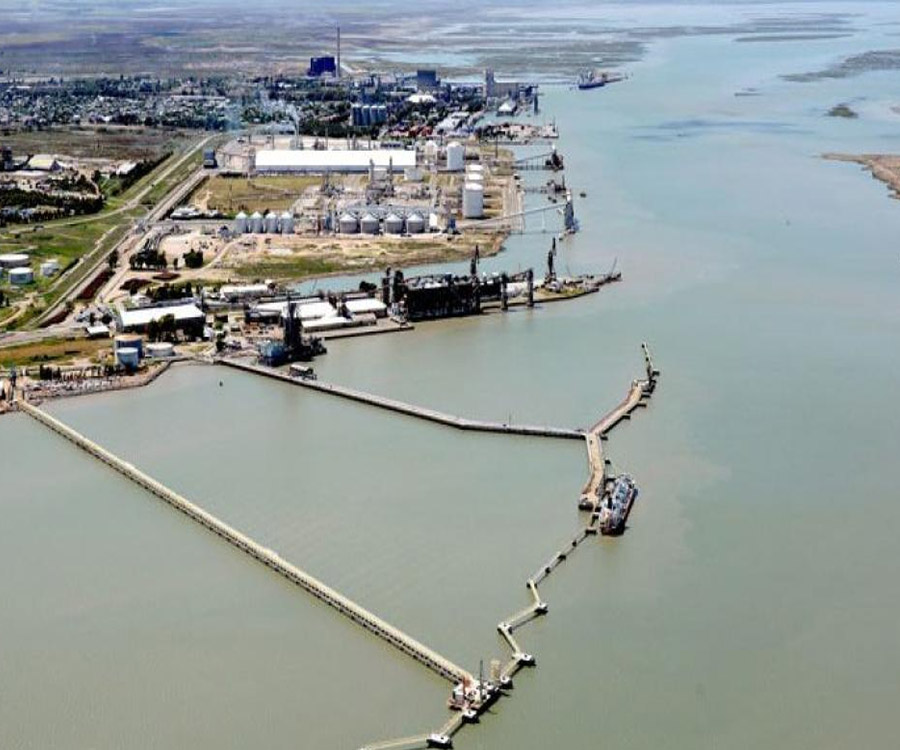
{"x": 750, "y": 603}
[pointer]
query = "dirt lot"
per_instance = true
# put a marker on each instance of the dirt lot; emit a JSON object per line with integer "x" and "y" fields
{"x": 297, "y": 256}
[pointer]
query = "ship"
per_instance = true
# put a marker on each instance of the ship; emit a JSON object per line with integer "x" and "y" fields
{"x": 592, "y": 79}
{"x": 617, "y": 505}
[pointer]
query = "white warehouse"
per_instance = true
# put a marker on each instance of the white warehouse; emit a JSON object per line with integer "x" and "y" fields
{"x": 310, "y": 160}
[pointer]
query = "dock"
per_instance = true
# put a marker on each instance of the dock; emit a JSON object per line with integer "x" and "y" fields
{"x": 638, "y": 396}
{"x": 438, "y": 664}
{"x": 400, "y": 407}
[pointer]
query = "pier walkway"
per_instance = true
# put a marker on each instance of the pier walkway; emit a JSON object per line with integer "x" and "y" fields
{"x": 371, "y": 622}
{"x": 411, "y": 410}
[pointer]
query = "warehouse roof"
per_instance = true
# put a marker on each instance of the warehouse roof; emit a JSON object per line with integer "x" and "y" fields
{"x": 310, "y": 160}
{"x": 141, "y": 316}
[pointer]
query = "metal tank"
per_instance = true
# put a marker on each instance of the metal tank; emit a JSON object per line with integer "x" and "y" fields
{"x": 415, "y": 223}
{"x": 348, "y": 224}
{"x": 287, "y": 223}
{"x": 369, "y": 224}
{"x": 393, "y": 224}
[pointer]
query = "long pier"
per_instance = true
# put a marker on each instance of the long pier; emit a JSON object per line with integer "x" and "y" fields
{"x": 400, "y": 407}
{"x": 371, "y": 622}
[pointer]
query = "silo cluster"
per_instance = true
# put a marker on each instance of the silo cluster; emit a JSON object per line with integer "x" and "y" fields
{"x": 271, "y": 223}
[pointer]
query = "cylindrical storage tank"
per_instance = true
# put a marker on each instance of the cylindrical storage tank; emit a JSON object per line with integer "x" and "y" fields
{"x": 160, "y": 349}
{"x": 473, "y": 201}
{"x": 49, "y": 268}
{"x": 257, "y": 223}
{"x": 348, "y": 224}
{"x": 431, "y": 151}
{"x": 13, "y": 260}
{"x": 287, "y": 223}
{"x": 393, "y": 224}
{"x": 21, "y": 276}
{"x": 128, "y": 357}
{"x": 240, "y": 223}
{"x": 129, "y": 341}
{"x": 369, "y": 224}
{"x": 456, "y": 157}
{"x": 271, "y": 223}
{"x": 415, "y": 224}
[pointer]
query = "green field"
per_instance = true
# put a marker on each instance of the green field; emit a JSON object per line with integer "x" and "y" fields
{"x": 89, "y": 238}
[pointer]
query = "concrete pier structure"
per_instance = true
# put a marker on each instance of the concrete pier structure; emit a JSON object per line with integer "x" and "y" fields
{"x": 371, "y": 622}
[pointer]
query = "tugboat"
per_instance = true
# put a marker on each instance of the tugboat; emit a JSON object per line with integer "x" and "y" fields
{"x": 617, "y": 505}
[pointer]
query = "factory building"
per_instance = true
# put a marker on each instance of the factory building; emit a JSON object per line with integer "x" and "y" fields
{"x": 188, "y": 317}
{"x": 322, "y": 66}
{"x": 346, "y": 161}
{"x": 427, "y": 80}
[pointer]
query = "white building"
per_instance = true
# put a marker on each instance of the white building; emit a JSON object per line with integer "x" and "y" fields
{"x": 354, "y": 160}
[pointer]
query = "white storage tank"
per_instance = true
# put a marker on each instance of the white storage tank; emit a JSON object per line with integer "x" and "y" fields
{"x": 287, "y": 223}
{"x": 393, "y": 224}
{"x": 21, "y": 276}
{"x": 456, "y": 157}
{"x": 257, "y": 223}
{"x": 49, "y": 268}
{"x": 431, "y": 152}
{"x": 473, "y": 201}
{"x": 348, "y": 224}
{"x": 369, "y": 224}
{"x": 128, "y": 357}
{"x": 415, "y": 224}
{"x": 13, "y": 260}
{"x": 240, "y": 223}
{"x": 160, "y": 349}
{"x": 271, "y": 223}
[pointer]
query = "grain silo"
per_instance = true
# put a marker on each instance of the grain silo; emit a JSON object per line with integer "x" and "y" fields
{"x": 287, "y": 223}
{"x": 240, "y": 223}
{"x": 415, "y": 223}
{"x": 369, "y": 223}
{"x": 257, "y": 223}
{"x": 348, "y": 223}
{"x": 393, "y": 224}
{"x": 271, "y": 223}
{"x": 456, "y": 157}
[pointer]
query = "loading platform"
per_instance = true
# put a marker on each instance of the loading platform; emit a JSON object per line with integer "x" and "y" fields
{"x": 371, "y": 622}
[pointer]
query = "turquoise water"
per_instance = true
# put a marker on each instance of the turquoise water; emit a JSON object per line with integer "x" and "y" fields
{"x": 749, "y": 604}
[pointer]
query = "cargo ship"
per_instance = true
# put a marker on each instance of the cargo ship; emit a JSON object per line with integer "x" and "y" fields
{"x": 617, "y": 505}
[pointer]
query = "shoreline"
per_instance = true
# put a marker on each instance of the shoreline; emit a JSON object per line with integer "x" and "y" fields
{"x": 883, "y": 167}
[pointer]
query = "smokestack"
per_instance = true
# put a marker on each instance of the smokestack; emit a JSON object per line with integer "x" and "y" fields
{"x": 337, "y": 73}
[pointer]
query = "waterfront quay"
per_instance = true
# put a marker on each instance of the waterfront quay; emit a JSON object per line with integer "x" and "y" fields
{"x": 471, "y": 695}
